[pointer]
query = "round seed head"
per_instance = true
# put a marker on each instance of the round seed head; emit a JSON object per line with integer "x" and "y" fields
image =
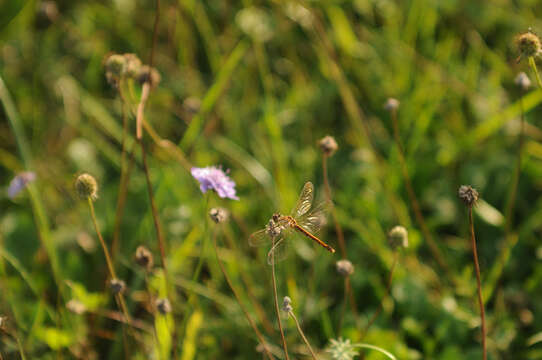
{"x": 391, "y": 104}
{"x": 218, "y": 215}
{"x": 163, "y": 306}
{"x": 287, "y": 304}
{"x": 150, "y": 75}
{"x": 344, "y": 267}
{"x": 523, "y": 81}
{"x": 117, "y": 286}
{"x": 76, "y": 307}
{"x": 114, "y": 65}
{"x": 144, "y": 258}
{"x": 528, "y": 44}
{"x": 328, "y": 145}
{"x": 468, "y": 195}
{"x": 86, "y": 187}
{"x": 398, "y": 237}
{"x": 132, "y": 65}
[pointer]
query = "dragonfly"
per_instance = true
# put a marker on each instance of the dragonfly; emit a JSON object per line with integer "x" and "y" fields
{"x": 304, "y": 219}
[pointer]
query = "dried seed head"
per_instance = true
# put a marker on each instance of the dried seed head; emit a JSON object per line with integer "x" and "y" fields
{"x": 218, "y": 215}
{"x": 163, "y": 306}
{"x": 468, "y": 195}
{"x": 328, "y": 145}
{"x": 114, "y": 65}
{"x": 144, "y": 258}
{"x": 76, "y": 307}
{"x": 117, "y": 286}
{"x": 528, "y": 44}
{"x": 192, "y": 105}
{"x": 391, "y": 104}
{"x": 398, "y": 237}
{"x": 344, "y": 267}
{"x": 86, "y": 187}
{"x": 132, "y": 65}
{"x": 287, "y": 304}
{"x": 150, "y": 75}
{"x": 523, "y": 81}
{"x": 3, "y": 322}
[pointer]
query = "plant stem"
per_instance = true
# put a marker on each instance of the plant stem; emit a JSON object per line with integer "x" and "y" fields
{"x": 532, "y": 63}
{"x": 338, "y": 228}
{"x": 154, "y": 210}
{"x": 479, "y": 283}
{"x": 124, "y": 173}
{"x": 433, "y": 247}
{"x": 277, "y": 310}
{"x": 386, "y": 293}
{"x": 291, "y": 313}
{"x": 238, "y": 298}
{"x": 110, "y": 267}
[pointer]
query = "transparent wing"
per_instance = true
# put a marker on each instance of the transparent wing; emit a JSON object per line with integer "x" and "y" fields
{"x": 278, "y": 252}
{"x": 305, "y": 200}
{"x": 315, "y": 219}
{"x": 259, "y": 238}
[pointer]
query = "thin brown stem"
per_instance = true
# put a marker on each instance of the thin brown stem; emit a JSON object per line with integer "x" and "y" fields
{"x": 112, "y": 274}
{"x": 291, "y": 313}
{"x": 277, "y": 310}
{"x": 154, "y": 210}
{"x": 386, "y": 293}
{"x": 249, "y": 284}
{"x": 238, "y": 298}
{"x": 478, "y": 282}
{"x": 327, "y": 188}
{"x": 123, "y": 183}
{"x": 433, "y": 247}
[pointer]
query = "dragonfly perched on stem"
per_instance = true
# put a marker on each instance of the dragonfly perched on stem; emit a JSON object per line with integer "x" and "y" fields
{"x": 302, "y": 220}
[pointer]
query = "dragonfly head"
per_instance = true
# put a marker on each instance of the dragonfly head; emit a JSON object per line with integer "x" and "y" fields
{"x": 273, "y": 228}
{"x": 276, "y": 217}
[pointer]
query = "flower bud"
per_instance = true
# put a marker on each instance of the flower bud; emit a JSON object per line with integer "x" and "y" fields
{"x": 163, "y": 306}
{"x": 144, "y": 258}
{"x": 117, "y": 286}
{"x": 287, "y": 304}
{"x": 523, "y": 81}
{"x": 398, "y": 237}
{"x": 391, "y": 104}
{"x": 218, "y": 215}
{"x": 86, "y": 187}
{"x": 328, "y": 145}
{"x": 528, "y": 44}
{"x": 344, "y": 267}
{"x": 468, "y": 195}
{"x": 132, "y": 65}
{"x": 76, "y": 307}
{"x": 148, "y": 74}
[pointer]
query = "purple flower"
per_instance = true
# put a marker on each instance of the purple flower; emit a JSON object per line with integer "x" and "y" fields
{"x": 214, "y": 178}
{"x": 19, "y": 183}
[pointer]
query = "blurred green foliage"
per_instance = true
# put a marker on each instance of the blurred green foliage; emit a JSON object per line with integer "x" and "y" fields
{"x": 253, "y": 86}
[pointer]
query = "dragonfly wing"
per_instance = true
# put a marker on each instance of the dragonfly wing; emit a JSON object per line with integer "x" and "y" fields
{"x": 315, "y": 219}
{"x": 278, "y": 252}
{"x": 259, "y": 238}
{"x": 305, "y": 200}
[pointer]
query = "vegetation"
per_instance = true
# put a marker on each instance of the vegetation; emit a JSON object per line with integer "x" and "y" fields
{"x": 118, "y": 242}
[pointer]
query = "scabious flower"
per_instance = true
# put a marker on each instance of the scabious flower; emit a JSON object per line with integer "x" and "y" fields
{"x": 342, "y": 349}
{"x": 19, "y": 183}
{"x": 214, "y": 178}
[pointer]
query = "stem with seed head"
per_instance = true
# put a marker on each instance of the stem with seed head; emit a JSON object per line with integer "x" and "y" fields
{"x": 478, "y": 282}
{"x": 238, "y": 298}
{"x": 433, "y": 247}
{"x": 284, "y": 346}
{"x": 120, "y": 297}
{"x": 386, "y": 293}
{"x": 291, "y": 313}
